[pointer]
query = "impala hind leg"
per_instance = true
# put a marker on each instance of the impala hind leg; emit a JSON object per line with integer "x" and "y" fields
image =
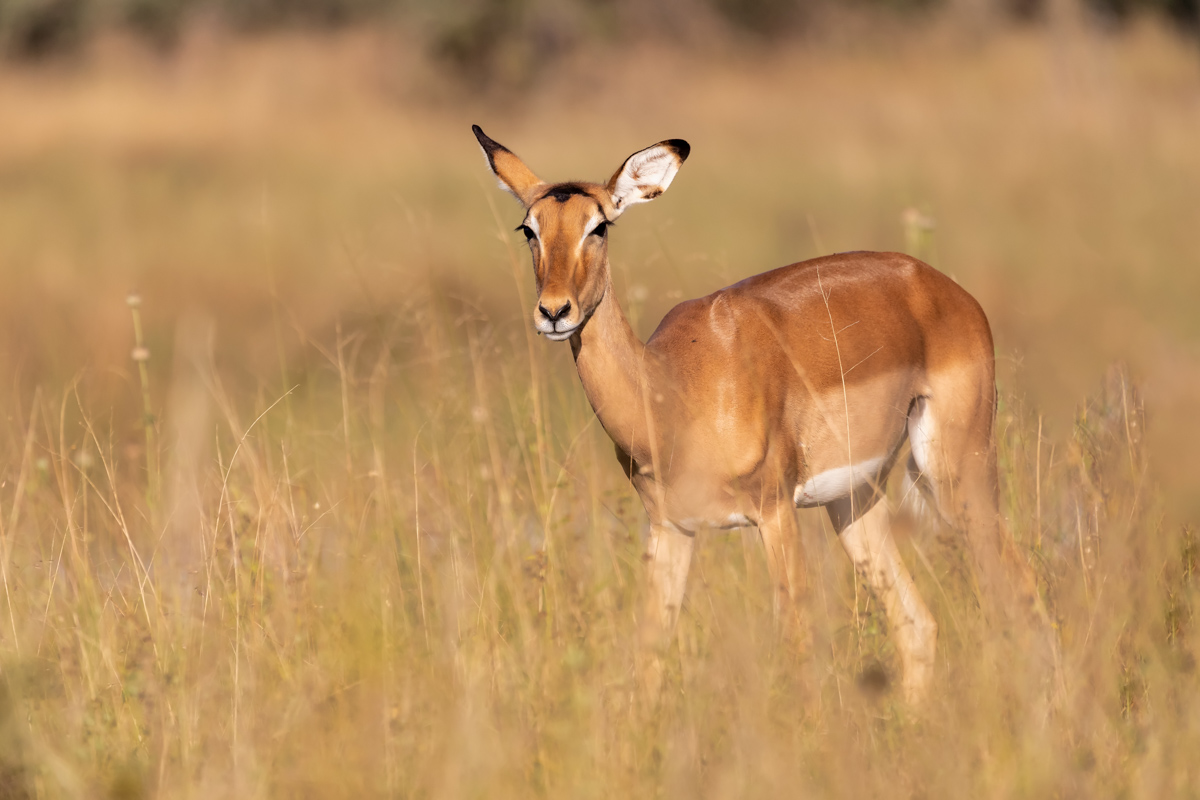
{"x": 954, "y": 461}
{"x": 669, "y": 556}
{"x": 864, "y": 527}
{"x": 953, "y": 453}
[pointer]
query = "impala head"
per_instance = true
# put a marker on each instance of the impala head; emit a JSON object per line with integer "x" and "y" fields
{"x": 566, "y": 225}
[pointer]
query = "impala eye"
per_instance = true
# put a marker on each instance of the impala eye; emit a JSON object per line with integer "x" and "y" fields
{"x": 528, "y": 231}
{"x": 600, "y": 230}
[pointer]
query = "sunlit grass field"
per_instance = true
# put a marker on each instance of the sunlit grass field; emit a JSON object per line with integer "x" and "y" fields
{"x": 346, "y": 527}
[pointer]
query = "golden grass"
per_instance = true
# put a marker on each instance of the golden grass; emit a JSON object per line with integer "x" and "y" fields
{"x": 390, "y": 552}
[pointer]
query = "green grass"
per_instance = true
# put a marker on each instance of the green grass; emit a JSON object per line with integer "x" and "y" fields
{"x": 393, "y": 553}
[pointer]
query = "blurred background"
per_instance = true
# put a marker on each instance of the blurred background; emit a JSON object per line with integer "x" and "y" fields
{"x": 333, "y": 366}
{"x": 279, "y": 165}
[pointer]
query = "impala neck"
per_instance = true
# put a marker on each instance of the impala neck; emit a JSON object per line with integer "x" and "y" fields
{"x": 619, "y": 379}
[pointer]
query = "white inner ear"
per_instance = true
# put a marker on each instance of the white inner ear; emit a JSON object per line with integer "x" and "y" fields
{"x": 645, "y": 176}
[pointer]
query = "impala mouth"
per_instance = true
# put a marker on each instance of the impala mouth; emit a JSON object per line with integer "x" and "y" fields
{"x": 560, "y": 336}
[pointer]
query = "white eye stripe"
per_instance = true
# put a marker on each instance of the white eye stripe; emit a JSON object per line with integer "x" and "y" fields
{"x": 593, "y": 221}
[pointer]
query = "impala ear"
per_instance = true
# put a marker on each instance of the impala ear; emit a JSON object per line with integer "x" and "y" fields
{"x": 647, "y": 173}
{"x": 514, "y": 176}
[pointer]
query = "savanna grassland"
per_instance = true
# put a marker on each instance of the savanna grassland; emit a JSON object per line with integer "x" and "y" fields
{"x": 343, "y": 526}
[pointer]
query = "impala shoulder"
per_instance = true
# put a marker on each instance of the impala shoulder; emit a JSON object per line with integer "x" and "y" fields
{"x": 686, "y": 322}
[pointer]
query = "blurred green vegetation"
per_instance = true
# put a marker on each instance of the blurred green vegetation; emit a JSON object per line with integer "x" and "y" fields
{"x": 478, "y": 35}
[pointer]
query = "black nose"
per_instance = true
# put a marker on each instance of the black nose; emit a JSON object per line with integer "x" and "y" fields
{"x": 554, "y": 315}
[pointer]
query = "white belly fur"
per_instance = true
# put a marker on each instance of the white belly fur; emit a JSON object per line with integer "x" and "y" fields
{"x": 732, "y": 521}
{"x": 834, "y": 484}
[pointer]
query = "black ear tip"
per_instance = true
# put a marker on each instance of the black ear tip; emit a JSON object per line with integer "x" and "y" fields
{"x": 681, "y": 148}
{"x": 488, "y": 144}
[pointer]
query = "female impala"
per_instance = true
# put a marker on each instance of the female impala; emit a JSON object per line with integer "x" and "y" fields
{"x": 794, "y": 387}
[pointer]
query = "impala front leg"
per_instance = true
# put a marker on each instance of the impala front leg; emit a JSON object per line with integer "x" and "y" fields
{"x": 785, "y": 558}
{"x": 789, "y": 576}
{"x": 668, "y": 556}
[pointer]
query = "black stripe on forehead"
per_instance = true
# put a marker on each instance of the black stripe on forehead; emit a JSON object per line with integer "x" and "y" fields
{"x": 562, "y": 191}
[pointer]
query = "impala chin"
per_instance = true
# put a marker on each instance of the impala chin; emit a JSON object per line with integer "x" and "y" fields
{"x": 557, "y": 331}
{"x": 562, "y": 336}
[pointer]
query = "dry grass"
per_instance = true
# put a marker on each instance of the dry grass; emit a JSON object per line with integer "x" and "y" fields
{"x": 382, "y": 547}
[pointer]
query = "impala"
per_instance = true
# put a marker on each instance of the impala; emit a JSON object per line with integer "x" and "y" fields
{"x": 796, "y": 387}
